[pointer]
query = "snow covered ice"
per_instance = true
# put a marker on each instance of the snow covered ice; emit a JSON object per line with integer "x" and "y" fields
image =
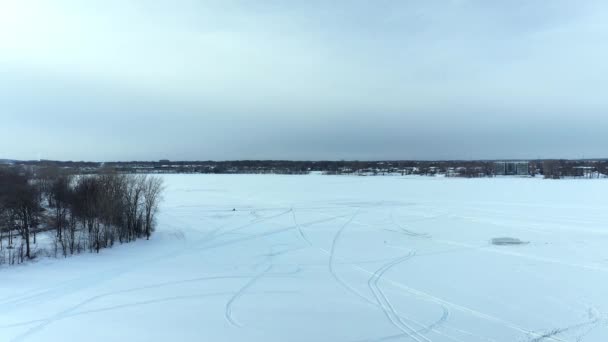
{"x": 330, "y": 258}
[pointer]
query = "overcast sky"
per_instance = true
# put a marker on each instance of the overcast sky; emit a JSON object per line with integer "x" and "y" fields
{"x": 228, "y": 79}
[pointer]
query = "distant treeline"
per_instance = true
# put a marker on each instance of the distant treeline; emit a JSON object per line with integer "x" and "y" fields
{"x": 82, "y": 212}
{"x": 453, "y": 168}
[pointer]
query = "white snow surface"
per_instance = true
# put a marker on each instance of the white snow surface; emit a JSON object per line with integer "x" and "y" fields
{"x": 335, "y": 258}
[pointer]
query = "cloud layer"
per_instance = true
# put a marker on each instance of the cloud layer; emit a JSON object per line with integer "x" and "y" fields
{"x": 123, "y": 80}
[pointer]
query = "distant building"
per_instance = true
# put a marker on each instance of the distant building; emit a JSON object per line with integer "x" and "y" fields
{"x": 512, "y": 168}
{"x": 584, "y": 171}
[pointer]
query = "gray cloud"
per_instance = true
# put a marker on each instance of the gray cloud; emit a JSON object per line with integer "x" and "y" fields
{"x": 121, "y": 80}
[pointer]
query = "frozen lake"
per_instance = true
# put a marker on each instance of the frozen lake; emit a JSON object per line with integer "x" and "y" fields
{"x": 335, "y": 258}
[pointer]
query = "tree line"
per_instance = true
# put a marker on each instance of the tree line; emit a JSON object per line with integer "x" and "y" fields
{"x": 455, "y": 168}
{"x": 77, "y": 212}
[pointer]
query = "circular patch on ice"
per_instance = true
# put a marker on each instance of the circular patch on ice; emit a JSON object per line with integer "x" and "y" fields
{"x": 505, "y": 241}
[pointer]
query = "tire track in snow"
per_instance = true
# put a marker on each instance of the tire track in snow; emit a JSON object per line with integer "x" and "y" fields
{"x": 331, "y": 253}
{"x": 254, "y": 222}
{"x": 429, "y": 328}
{"x": 407, "y": 231}
{"x": 471, "y": 311}
{"x": 442, "y": 302}
{"x": 83, "y": 282}
{"x": 47, "y": 321}
{"x": 121, "y": 306}
{"x": 429, "y": 297}
{"x": 300, "y": 231}
{"x": 492, "y": 249}
{"x": 461, "y": 308}
{"x": 240, "y": 293}
{"x": 395, "y": 317}
{"x": 142, "y": 303}
{"x": 42, "y": 323}
{"x": 271, "y": 232}
{"x": 468, "y": 333}
{"x": 385, "y": 304}
{"x": 592, "y": 323}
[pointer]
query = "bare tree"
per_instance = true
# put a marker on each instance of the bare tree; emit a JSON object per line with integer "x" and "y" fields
{"x": 551, "y": 169}
{"x": 153, "y": 188}
{"x": 87, "y": 212}
{"x": 20, "y": 200}
{"x": 59, "y": 198}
